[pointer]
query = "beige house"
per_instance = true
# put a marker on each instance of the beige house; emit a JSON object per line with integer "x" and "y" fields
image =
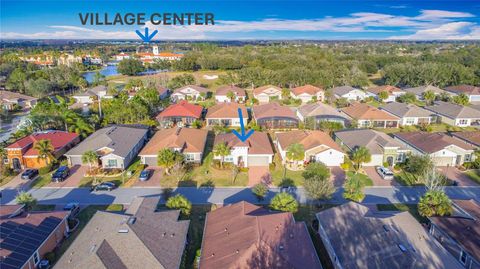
{"x": 267, "y": 93}
{"x": 308, "y": 93}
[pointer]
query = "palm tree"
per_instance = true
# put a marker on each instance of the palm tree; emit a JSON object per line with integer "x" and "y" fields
{"x": 295, "y": 152}
{"x": 90, "y": 158}
{"x": 429, "y": 96}
{"x": 435, "y": 203}
{"x": 222, "y": 150}
{"x": 45, "y": 150}
{"x": 167, "y": 159}
{"x": 360, "y": 155}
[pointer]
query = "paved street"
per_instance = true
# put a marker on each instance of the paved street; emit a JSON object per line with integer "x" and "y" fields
{"x": 374, "y": 195}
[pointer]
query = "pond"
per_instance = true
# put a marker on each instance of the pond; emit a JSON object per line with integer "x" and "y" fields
{"x": 111, "y": 70}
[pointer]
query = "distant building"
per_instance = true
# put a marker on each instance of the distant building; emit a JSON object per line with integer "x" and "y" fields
{"x": 221, "y": 94}
{"x": 356, "y": 237}
{"x": 371, "y": 117}
{"x": 181, "y": 112}
{"x": 455, "y": 115}
{"x": 308, "y": 93}
{"x": 244, "y": 235}
{"x": 420, "y": 91}
{"x": 88, "y": 96}
{"x": 392, "y": 92}
{"x": 190, "y": 92}
{"x": 313, "y": 114}
{"x": 409, "y": 114}
{"x": 349, "y": 93}
{"x": 473, "y": 92}
{"x": 122, "y": 56}
{"x": 471, "y": 137}
{"x": 267, "y": 93}
{"x": 142, "y": 237}
{"x": 226, "y": 114}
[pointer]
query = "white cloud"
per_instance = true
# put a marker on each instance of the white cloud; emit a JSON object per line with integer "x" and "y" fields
{"x": 430, "y": 24}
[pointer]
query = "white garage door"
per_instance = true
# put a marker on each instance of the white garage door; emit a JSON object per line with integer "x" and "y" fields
{"x": 474, "y": 98}
{"x": 151, "y": 161}
{"x": 443, "y": 161}
{"x": 257, "y": 160}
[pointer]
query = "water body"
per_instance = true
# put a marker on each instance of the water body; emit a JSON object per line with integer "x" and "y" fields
{"x": 111, "y": 70}
{"x": 9, "y": 123}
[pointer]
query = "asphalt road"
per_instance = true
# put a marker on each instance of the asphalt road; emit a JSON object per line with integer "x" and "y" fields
{"x": 374, "y": 195}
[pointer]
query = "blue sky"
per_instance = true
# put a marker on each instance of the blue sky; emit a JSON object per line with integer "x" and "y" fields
{"x": 240, "y": 20}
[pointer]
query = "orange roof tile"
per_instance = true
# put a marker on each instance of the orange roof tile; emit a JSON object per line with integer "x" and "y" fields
{"x": 362, "y": 111}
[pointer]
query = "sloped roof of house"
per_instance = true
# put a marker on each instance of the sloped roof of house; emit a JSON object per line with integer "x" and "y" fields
{"x": 223, "y": 90}
{"x": 244, "y": 235}
{"x": 189, "y": 139}
{"x": 384, "y": 88}
{"x": 365, "y": 112}
{"x": 364, "y": 238}
{"x": 58, "y": 139}
{"x": 195, "y": 87}
{"x": 145, "y": 239}
{"x": 466, "y": 89}
{"x": 257, "y": 143}
{"x": 272, "y": 110}
{"x": 320, "y": 109}
{"x": 463, "y": 226}
{"x": 406, "y": 110}
{"x": 421, "y": 89}
{"x": 226, "y": 110}
{"x": 182, "y": 109}
{"x": 92, "y": 91}
{"x": 120, "y": 138}
{"x": 259, "y": 90}
{"x": 343, "y": 90}
{"x": 23, "y": 234}
{"x": 432, "y": 142}
{"x": 374, "y": 141}
{"x": 309, "y": 89}
{"x": 309, "y": 139}
{"x": 8, "y": 95}
{"x": 453, "y": 111}
{"x": 472, "y": 137}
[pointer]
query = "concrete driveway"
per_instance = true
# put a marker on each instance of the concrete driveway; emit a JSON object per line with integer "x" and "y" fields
{"x": 337, "y": 176}
{"x": 18, "y": 183}
{"x": 377, "y": 179}
{"x": 153, "y": 181}
{"x": 77, "y": 173}
{"x": 258, "y": 174}
{"x": 454, "y": 174}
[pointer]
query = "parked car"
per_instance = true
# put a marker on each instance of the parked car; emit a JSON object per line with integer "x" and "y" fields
{"x": 104, "y": 186}
{"x": 61, "y": 174}
{"x": 145, "y": 175}
{"x": 30, "y": 174}
{"x": 73, "y": 207}
{"x": 385, "y": 173}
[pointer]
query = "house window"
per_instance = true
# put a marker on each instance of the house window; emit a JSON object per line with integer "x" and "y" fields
{"x": 463, "y": 257}
{"x": 228, "y": 159}
{"x": 400, "y": 157}
{"x": 112, "y": 163}
{"x": 189, "y": 157}
{"x": 468, "y": 158}
{"x": 36, "y": 258}
{"x": 410, "y": 121}
{"x": 463, "y": 122}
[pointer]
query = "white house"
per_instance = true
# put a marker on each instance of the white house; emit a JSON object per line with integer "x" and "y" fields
{"x": 221, "y": 95}
{"x": 267, "y": 93}
{"x": 473, "y": 92}
{"x": 308, "y": 93}
{"x": 226, "y": 114}
{"x": 122, "y": 56}
{"x": 392, "y": 92}
{"x": 348, "y": 92}
{"x": 255, "y": 151}
{"x": 189, "y": 92}
{"x": 319, "y": 146}
{"x": 86, "y": 97}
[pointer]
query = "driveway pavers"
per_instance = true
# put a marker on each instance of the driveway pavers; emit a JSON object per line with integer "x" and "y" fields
{"x": 153, "y": 181}
{"x": 258, "y": 174}
{"x": 454, "y": 174}
{"x": 377, "y": 179}
{"x": 77, "y": 173}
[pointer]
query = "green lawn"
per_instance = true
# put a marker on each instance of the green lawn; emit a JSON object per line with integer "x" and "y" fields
{"x": 366, "y": 181}
{"x": 42, "y": 180}
{"x": 38, "y": 207}
{"x": 407, "y": 179}
{"x": 84, "y": 217}
{"x": 285, "y": 178}
{"x": 412, "y": 208}
{"x": 5, "y": 180}
{"x": 201, "y": 176}
{"x": 122, "y": 180}
{"x": 474, "y": 175}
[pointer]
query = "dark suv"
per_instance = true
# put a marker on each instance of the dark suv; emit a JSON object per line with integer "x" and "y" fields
{"x": 61, "y": 174}
{"x": 30, "y": 174}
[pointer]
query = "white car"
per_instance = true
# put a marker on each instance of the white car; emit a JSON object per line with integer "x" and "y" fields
{"x": 385, "y": 173}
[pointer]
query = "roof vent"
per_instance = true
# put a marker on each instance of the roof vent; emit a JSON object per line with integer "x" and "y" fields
{"x": 291, "y": 235}
{"x": 402, "y": 248}
{"x": 122, "y": 231}
{"x": 173, "y": 235}
{"x": 281, "y": 247}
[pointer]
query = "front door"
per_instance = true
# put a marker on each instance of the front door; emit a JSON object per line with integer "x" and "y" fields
{"x": 458, "y": 160}
{"x": 16, "y": 164}
{"x": 390, "y": 161}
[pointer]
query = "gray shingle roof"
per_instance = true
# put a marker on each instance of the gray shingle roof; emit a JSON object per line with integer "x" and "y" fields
{"x": 454, "y": 111}
{"x": 121, "y": 139}
{"x": 110, "y": 240}
{"x": 320, "y": 109}
{"x": 92, "y": 91}
{"x": 374, "y": 141}
{"x": 364, "y": 238}
{"x": 342, "y": 90}
{"x": 406, "y": 110}
{"x": 420, "y": 90}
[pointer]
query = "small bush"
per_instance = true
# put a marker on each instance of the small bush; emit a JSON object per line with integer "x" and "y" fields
{"x": 50, "y": 256}
{"x": 260, "y": 191}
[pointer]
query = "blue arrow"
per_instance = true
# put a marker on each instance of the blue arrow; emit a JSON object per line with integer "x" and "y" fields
{"x": 242, "y": 136}
{"x": 146, "y": 38}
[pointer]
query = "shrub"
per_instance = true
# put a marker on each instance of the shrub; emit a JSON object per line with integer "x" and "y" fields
{"x": 435, "y": 203}
{"x": 50, "y": 256}
{"x": 8, "y": 172}
{"x": 26, "y": 199}
{"x": 260, "y": 191}
{"x": 353, "y": 190}
{"x": 284, "y": 202}
{"x": 180, "y": 202}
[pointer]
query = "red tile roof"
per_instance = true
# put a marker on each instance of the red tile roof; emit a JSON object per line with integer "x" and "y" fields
{"x": 59, "y": 140}
{"x": 257, "y": 143}
{"x": 310, "y": 89}
{"x": 182, "y": 109}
